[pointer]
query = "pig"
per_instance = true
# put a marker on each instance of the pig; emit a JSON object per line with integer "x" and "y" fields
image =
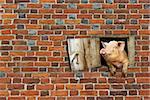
{"x": 115, "y": 56}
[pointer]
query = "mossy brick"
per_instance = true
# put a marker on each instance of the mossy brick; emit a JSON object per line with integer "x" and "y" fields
{"x": 32, "y": 32}
{"x": 20, "y": 26}
{"x": 72, "y": 6}
{"x": 97, "y": 6}
{"x": 133, "y": 1}
{"x": 47, "y": 6}
{"x": 95, "y": 27}
{"x": 22, "y": 15}
{"x": 70, "y": 27}
{"x": 22, "y": 6}
{"x": 109, "y": 21}
{"x": 133, "y": 21}
{"x": 109, "y": 11}
{"x": 44, "y": 37}
{"x": 119, "y": 26}
{"x": 34, "y": 1}
{"x": 84, "y": 1}
{"x": 31, "y": 42}
{"x": 44, "y": 93}
{"x": 79, "y": 74}
{"x": 122, "y": 6}
{"x": 72, "y": 16}
{"x": 60, "y": 1}
{"x": 84, "y": 21}
{"x": 2, "y": 74}
{"x": 59, "y": 22}
{"x": 146, "y": 6}
{"x": 109, "y": 1}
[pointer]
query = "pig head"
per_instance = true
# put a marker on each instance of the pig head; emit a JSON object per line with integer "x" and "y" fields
{"x": 115, "y": 56}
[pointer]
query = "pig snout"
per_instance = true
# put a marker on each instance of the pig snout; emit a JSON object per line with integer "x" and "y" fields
{"x": 102, "y": 51}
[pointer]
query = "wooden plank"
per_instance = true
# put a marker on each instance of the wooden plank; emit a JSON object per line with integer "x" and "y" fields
{"x": 84, "y": 53}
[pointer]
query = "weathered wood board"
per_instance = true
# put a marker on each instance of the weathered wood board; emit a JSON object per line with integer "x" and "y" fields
{"x": 84, "y": 53}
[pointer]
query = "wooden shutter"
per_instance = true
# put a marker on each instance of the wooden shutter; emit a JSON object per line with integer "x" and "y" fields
{"x": 84, "y": 53}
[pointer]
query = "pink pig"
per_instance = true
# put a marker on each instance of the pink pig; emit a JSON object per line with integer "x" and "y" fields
{"x": 115, "y": 56}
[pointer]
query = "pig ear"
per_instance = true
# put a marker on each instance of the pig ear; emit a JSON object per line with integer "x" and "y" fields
{"x": 121, "y": 45}
{"x": 104, "y": 44}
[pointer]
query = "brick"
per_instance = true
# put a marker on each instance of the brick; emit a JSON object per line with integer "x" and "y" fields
{"x": 134, "y": 6}
{"x": 47, "y": 1}
{"x": 21, "y": 21}
{"x": 46, "y": 98}
{"x": 144, "y": 92}
{"x": 117, "y": 86}
{"x": 4, "y": 93}
{"x": 121, "y": 32}
{"x": 132, "y": 86}
{"x": 82, "y": 27}
{"x": 6, "y": 37}
{"x": 101, "y": 86}
{"x": 17, "y": 53}
{"x": 146, "y": 86}
{"x": 73, "y": 93}
{"x": 109, "y": 6}
{"x": 122, "y": 1}
{"x": 3, "y": 86}
{"x": 9, "y": 16}
{"x": 72, "y": 1}
{"x": 133, "y": 97}
{"x": 19, "y": 32}
{"x": 68, "y": 32}
{"x": 33, "y": 26}
{"x": 60, "y": 87}
{"x": 142, "y": 75}
{"x": 143, "y": 21}
{"x": 71, "y": 11}
{"x": 143, "y": 80}
{"x": 34, "y": 5}
{"x": 132, "y": 27}
{"x": 11, "y": 6}
{"x": 46, "y": 11}
{"x": 29, "y": 58}
{"x": 45, "y": 87}
{"x": 5, "y": 58}
{"x": 84, "y": 6}
{"x": 59, "y": 80}
{"x": 116, "y": 80}
{"x": 30, "y": 93}
{"x": 134, "y": 16}
{"x": 109, "y": 16}
{"x": 114, "y": 93}
{"x": 59, "y": 93}
{"x": 88, "y": 80}
{"x": 61, "y": 6}
{"x": 46, "y": 22}
{"x": 94, "y": 74}
{"x": 96, "y": 21}
{"x": 57, "y": 38}
{"x": 15, "y": 87}
{"x": 31, "y": 80}
{"x": 144, "y": 1}
{"x": 144, "y": 32}
{"x": 88, "y": 93}
{"x": 29, "y": 69}
{"x": 74, "y": 87}
{"x": 59, "y": 16}
{"x": 75, "y": 98}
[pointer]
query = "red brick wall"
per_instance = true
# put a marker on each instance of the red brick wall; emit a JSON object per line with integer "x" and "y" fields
{"x": 33, "y": 61}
